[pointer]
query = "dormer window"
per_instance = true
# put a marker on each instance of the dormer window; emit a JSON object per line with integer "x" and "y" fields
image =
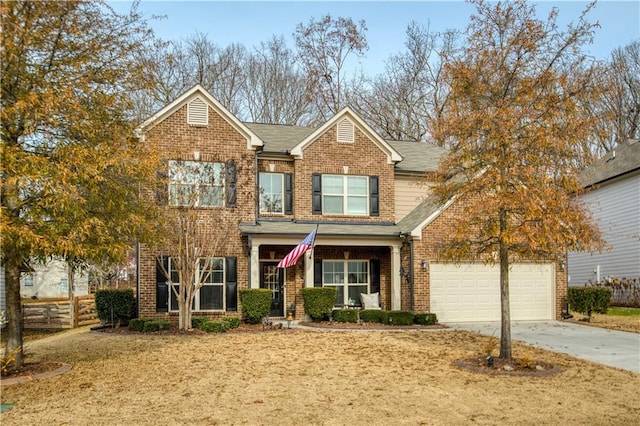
{"x": 345, "y": 131}
{"x": 197, "y": 112}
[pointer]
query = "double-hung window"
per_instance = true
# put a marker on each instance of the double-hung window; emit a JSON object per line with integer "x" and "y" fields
{"x": 271, "y": 192}
{"x": 349, "y": 277}
{"x": 345, "y": 195}
{"x": 196, "y": 183}
{"x": 210, "y": 297}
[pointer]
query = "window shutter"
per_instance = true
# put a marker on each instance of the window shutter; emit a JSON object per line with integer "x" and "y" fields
{"x": 197, "y": 112}
{"x": 317, "y": 273}
{"x": 374, "y": 196}
{"x": 230, "y": 184}
{"x": 288, "y": 193}
{"x": 345, "y": 131}
{"x": 162, "y": 288}
{"x": 316, "y": 180}
{"x": 374, "y": 266}
{"x": 162, "y": 196}
{"x": 231, "y": 272}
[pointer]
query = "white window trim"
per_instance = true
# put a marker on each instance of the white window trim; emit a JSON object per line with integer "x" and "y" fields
{"x": 345, "y": 281}
{"x": 197, "y": 296}
{"x": 197, "y": 203}
{"x": 345, "y": 196}
{"x": 281, "y": 194}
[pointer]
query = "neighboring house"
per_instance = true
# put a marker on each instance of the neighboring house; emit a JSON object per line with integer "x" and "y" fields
{"x": 614, "y": 201}
{"x": 47, "y": 281}
{"x": 370, "y": 198}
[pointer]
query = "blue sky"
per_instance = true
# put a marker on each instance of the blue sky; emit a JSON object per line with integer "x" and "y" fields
{"x": 250, "y": 22}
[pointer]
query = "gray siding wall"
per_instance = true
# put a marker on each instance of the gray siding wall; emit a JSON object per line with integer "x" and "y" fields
{"x": 616, "y": 207}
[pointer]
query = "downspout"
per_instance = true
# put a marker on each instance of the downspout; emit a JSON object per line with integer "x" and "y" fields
{"x": 410, "y": 277}
{"x": 138, "y": 280}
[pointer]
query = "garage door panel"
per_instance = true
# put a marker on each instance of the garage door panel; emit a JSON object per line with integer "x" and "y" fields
{"x": 471, "y": 292}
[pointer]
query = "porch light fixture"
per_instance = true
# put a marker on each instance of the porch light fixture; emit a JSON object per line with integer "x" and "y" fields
{"x": 424, "y": 263}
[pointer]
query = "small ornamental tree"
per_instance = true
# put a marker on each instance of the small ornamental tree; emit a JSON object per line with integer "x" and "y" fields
{"x": 515, "y": 121}
{"x": 198, "y": 221}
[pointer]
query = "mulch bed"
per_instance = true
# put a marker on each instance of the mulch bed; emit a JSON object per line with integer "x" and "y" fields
{"x": 507, "y": 367}
{"x": 32, "y": 369}
{"x": 370, "y": 326}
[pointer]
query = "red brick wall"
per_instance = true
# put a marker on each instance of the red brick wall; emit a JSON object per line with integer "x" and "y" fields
{"x": 326, "y": 155}
{"x": 439, "y": 230}
{"x": 218, "y": 141}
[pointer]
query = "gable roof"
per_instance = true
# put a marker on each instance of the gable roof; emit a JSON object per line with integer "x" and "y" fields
{"x": 425, "y": 213}
{"x": 253, "y": 140}
{"x": 418, "y": 157}
{"x": 622, "y": 160}
{"x": 279, "y": 138}
{"x": 392, "y": 155}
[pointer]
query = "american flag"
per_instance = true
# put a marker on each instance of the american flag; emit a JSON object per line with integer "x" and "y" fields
{"x": 299, "y": 250}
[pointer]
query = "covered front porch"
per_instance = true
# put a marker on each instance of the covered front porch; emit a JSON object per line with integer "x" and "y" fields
{"x": 353, "y": 258}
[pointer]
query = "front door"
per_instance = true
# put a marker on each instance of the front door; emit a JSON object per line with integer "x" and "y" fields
{"x": 272, "y": 278}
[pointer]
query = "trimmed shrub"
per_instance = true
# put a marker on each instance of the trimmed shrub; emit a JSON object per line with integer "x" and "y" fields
{"x": 425, "y": 319}
{"x": 371, "y": 315}
{"x": 196, "y": 322}
{"x": 318, "y": 301}
{"x": 345, "y": 315}
{"x": 589, "y": 299}
{"x": 215, "y": 326}
{"x": 114, "y": 305}
{"x": 232, "y": 322}
{"x": 137, "y": 324}
{"x": 156, "y": 325}
{"x": 256, "y": 304}
{"x": 399, "y": 318}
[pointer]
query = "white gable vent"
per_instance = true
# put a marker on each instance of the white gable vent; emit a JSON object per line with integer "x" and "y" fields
{"x": 197, "y": 112}
{"x": 345, "y": 131}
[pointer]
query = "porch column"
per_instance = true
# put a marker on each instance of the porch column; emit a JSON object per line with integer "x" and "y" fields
{"x": 395, "y": 278}
{"x": 308, "y": 268}
{"x": 255, "y": 266}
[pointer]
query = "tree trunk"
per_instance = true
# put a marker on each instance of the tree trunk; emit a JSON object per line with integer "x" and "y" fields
{"x": 505, "y": 334}
{"x": 13, "y": 346}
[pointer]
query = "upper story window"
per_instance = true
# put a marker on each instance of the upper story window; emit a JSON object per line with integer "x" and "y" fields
{"x": 196, "y": 183}
{"x": 276, "y": 193}
{"x": 271, "y": 192}
{"x": 347, "y": 195}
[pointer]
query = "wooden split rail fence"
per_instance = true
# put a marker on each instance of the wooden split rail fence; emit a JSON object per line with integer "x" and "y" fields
{"x": 60, "y": 313}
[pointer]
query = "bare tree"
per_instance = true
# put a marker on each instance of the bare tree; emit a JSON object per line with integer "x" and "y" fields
{"x": 400, "y": 102}
{"x": 323, "y": 49}
{"x": 196, "y": 238}
{"x": 275, "y": 90}
{"x": 620, "y": 105}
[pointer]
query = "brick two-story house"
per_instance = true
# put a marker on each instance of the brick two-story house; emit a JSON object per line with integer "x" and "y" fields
{"x": 377, "y": 226}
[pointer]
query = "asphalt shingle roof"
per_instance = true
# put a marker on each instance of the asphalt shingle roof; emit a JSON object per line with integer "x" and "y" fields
{"x": 417, "y": 157}
{"x": 626, "y": 159}
{"x": 327, "y": 229}
{"x": 279, "y": 138}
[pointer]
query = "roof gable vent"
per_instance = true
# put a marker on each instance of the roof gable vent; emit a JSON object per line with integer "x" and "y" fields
{"x": 345, "y": 131}
{"x": 197, "y": 112}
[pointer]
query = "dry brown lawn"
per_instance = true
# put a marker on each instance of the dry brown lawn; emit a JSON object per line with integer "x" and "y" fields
{"x": 611, "y": 322}
{"x": 307, "y": 378}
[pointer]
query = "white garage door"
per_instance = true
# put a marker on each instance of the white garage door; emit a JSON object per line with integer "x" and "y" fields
{"x": 471, "y": 292}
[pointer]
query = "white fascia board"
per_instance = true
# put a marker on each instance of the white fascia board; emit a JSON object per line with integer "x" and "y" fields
{"x": 417, "y": 231}
{"x": 392, "y": 155}
{"x": 253, "y": 141}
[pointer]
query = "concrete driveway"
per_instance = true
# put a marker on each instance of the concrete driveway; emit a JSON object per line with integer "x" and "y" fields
{"x": 614, "y": 348}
